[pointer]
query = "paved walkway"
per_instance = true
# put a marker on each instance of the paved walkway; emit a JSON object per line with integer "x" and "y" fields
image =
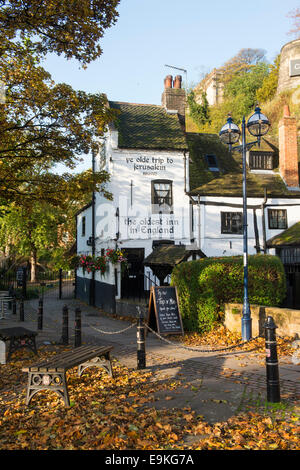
{"x": 217, "y": 384}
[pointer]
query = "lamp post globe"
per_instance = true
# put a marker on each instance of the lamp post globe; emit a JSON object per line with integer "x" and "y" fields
{"x": 230, "y": 133}
{"x": 258, "y": 124}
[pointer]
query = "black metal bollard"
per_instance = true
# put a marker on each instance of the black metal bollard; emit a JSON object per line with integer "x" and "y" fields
{"x": 40, "y": 314}
{"x": 77, "y": 327}
{"x": 65, "y": 326}
{"x": 273, "y": 386}
{"x": 21, "y": 311}
{"x": 14, "y": 305}
{"x": 141, "y": 353}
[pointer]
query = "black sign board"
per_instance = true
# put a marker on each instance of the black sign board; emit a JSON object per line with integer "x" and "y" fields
{"x": 294, "y": 67}
{"x": 164, "y": 315}
{"x": 20, "y": 276}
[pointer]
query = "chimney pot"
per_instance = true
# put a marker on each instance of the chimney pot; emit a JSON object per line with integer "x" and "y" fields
{"x": 174, "y": 100}
{"x": 168, "y": 81}
{"x": 177, "y": 81}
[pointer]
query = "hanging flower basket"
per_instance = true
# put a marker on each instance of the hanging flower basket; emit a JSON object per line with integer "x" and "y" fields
{"x": 92, "y": 263}
{"x": 100, "y": 263}
{"x": 115, "y": 256}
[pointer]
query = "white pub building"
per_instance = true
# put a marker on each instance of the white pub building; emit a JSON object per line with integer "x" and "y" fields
{"x": 178, "y": 196}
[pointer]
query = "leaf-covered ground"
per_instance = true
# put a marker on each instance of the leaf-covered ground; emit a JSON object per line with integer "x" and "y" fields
{"x": 221, "y": 337}
{"x": 118, "y": 414}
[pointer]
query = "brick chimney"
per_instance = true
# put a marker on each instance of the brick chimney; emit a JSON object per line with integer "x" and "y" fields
{"x": 288, "y": 151}
{"x": 173, "y": 98}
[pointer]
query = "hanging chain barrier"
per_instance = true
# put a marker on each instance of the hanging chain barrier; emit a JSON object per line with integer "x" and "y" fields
{"x": 112, "y": 332}
{"x": 140, "y": 322}
{"x": 198, "y": 349}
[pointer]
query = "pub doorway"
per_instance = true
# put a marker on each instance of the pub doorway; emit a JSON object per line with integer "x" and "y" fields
{"x": 290, "y": 257}
{"x": 132, "y": 277}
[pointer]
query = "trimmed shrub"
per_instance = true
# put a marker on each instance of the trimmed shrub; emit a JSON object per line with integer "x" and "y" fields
{"x": 205, "y": 285}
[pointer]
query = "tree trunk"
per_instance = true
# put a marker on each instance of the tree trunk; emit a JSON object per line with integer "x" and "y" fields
{"x": 33, "y": 265}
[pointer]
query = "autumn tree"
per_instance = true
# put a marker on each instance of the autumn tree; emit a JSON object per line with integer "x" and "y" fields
{"x": 43, "y": 123}
{"x": 269, "y": 84}
{"x": 72, "y": 28}
{"x": 242, "y": 62}
{"x": 27, "y": 229}
{"x": 242, "y": 89}
{"x": 295, "y": 15}
{"x": 36, "y": 231}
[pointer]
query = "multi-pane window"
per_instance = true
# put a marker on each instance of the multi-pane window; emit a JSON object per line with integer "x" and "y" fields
{"x": 162, "y": 196}
{"x": 231, "y": 222}
{"x": 261, "y": 161}
{"x": 277, "y": 218}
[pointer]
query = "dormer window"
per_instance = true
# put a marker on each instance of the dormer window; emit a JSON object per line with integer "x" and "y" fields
{"x": 212, "y": 162}
{"x": 261, "y": 160}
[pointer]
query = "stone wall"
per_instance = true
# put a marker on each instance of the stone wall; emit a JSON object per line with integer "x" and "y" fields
{"x": 287, "y": 320}
{"x": 289, "y": 52}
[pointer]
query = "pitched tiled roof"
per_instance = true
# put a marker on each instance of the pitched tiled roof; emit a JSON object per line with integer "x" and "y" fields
{"x": 228, "y": 181}
{"x": 289, "y": 237}
{"x": 145, "y": 126}
{"x": 169, "y": 255}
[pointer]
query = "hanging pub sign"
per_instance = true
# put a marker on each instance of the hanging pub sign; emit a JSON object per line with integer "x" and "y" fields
{"x": 163, "y": 314}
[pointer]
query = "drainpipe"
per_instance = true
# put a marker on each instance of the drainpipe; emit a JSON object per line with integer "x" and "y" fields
{"x": 257, "y": 244}
{"x": 264, "y": 221}
{"x": 184, "y": 159}
{"x": 199, "y": 223}
{"x": 190, "y": 197}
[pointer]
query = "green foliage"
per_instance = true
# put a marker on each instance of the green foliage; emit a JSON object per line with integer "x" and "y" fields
{"x": 66, "y": 27}
{"x": 198, "y": 112}
{"x": 205, "y": 285}
{"x": 269, "y": 85}
{"x": 248, "y": 79}
{"x": 242, "y": 89}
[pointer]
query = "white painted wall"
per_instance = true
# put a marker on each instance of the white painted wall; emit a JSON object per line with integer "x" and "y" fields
{"x": 135, "y": 210}
{"x": 136, "y": 224}
{"x": 214, "y": 243}
{"x": 131, "y": 174}
{"x": 82, "y": 247}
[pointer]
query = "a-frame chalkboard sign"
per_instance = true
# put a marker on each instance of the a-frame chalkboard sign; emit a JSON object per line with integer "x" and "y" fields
{"x": 163, "y": 314}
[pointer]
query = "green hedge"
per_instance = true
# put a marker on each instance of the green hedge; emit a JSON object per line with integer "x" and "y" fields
{"x": 205, "y": 285}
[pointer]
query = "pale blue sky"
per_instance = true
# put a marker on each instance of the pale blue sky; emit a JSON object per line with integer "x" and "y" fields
{"x": 193, "y": 34}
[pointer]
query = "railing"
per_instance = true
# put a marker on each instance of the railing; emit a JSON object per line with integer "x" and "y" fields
{"x": 19, "y": 282}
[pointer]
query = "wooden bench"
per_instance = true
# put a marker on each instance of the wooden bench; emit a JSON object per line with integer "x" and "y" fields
{"x": 50, "y": 374}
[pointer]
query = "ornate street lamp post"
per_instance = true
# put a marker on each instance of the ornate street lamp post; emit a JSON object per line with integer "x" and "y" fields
{"x": 258, "y": 125}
